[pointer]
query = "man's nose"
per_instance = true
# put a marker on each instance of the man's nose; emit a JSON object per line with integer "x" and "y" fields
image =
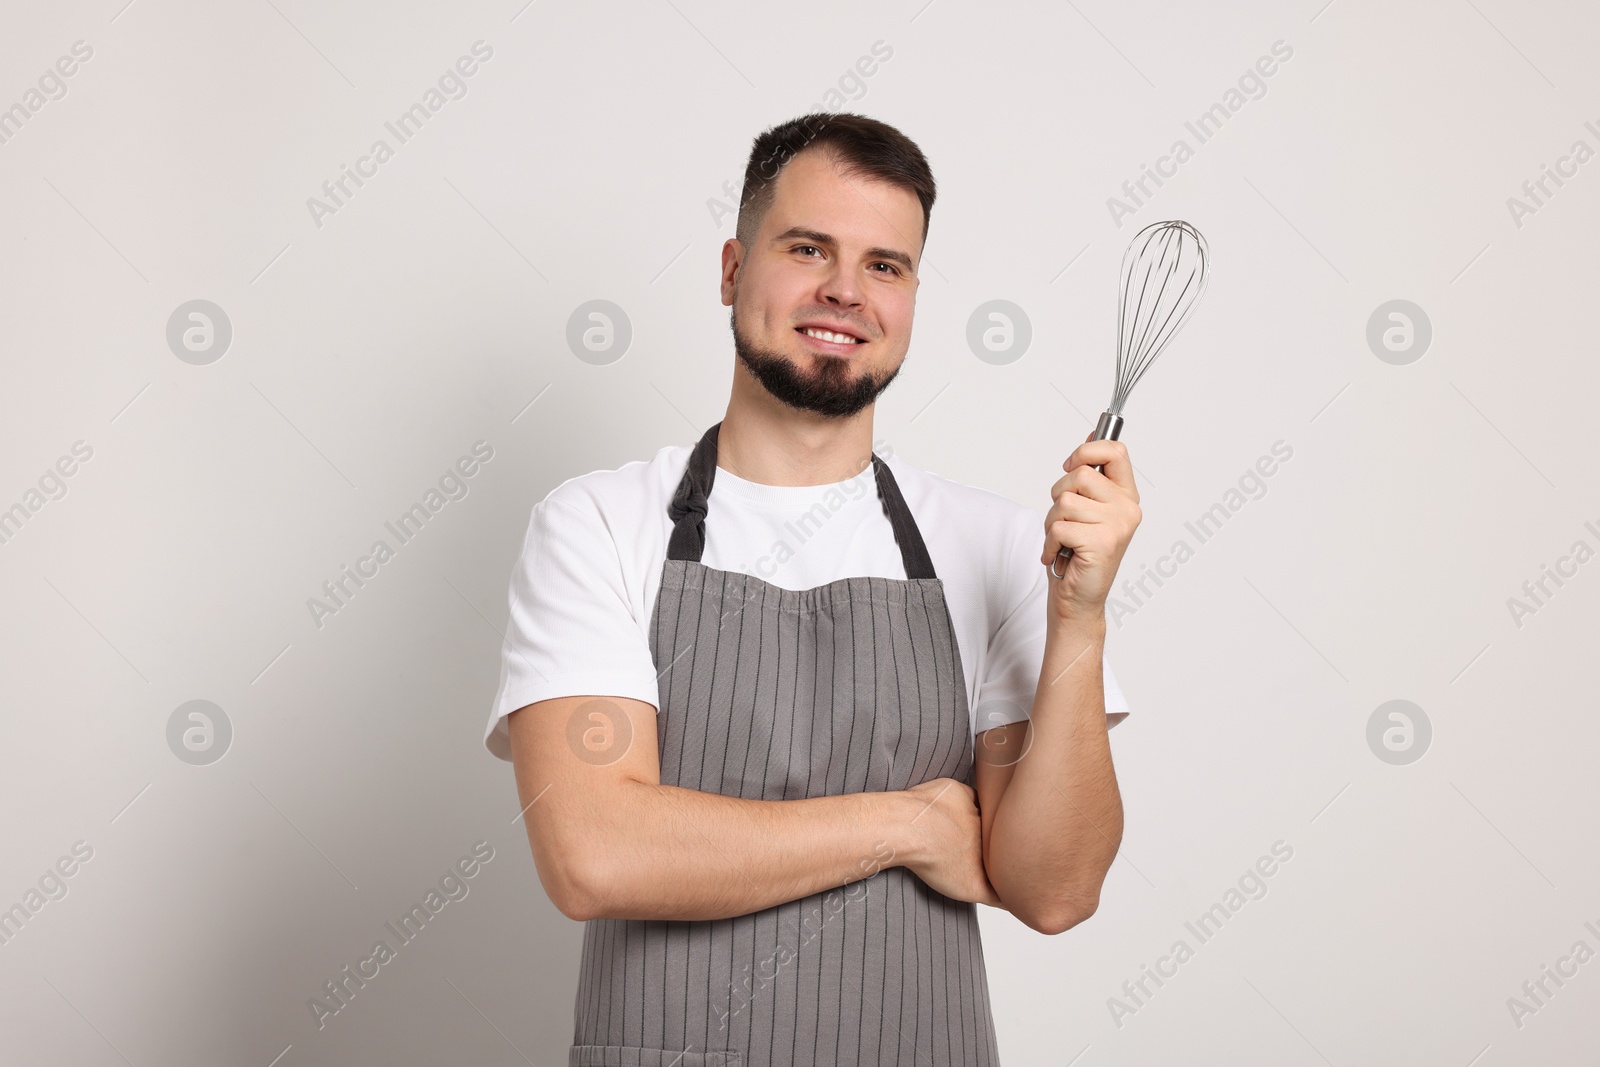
{"x": 841, "y": 288}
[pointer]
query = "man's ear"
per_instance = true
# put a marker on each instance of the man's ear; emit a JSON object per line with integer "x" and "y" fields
{"x": 732, "y": 264}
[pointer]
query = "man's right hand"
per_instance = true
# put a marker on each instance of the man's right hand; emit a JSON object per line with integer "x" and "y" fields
{"x": 946, "y": 841}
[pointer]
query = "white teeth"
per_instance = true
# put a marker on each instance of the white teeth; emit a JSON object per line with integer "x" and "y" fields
{"x": 828, "y": 335}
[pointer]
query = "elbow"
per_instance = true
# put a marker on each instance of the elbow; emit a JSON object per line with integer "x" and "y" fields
{"x": 567, "y": 894}
{"x": 582, "y": 870}
{"x": 1054, "y": 911}
{"x": 574, "y": 906}
{"x": 582, "y": 900}
{"x": 1066, "y": 919}
{"x": 572, "y": 884}
{"x": 1060, "y": 916}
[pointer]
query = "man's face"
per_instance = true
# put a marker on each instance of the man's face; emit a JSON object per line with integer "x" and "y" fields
{"x": 835, "y": 254}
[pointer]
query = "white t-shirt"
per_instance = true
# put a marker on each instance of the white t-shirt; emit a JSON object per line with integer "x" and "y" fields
{"x": 585, "y": 585}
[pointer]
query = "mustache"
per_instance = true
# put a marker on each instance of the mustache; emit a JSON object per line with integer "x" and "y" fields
{"x": 860, "y": 329}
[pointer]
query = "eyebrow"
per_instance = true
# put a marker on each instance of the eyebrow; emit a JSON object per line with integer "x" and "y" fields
{"x": 818, "y": 237}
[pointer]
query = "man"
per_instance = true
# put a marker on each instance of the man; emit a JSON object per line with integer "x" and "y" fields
{"x": 742, "y": 702}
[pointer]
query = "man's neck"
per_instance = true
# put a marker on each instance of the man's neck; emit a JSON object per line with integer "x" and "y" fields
{"x": 763, "y": 441}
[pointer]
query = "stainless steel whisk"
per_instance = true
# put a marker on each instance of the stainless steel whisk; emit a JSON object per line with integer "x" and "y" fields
{"x": 1164, "y": 273}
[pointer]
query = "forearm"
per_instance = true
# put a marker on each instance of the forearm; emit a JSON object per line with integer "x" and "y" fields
{"x": 1059, "y": 821}
{"x": 668, "y": 853}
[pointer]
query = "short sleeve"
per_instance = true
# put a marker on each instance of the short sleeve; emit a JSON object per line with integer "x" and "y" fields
{"x": 1016, "y": 648}
{"x": 571, "y": 630}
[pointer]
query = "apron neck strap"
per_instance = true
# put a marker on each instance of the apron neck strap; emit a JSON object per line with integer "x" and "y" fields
{"x": 690, "y": 504}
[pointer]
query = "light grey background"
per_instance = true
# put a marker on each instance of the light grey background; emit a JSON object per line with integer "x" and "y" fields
{"x": 430, "y": 312}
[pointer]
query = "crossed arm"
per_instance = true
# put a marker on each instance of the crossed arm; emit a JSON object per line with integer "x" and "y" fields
{"x": 1035, "y": 837}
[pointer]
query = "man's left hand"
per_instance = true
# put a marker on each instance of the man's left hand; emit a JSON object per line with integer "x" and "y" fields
{"x": 1095, "y": 515}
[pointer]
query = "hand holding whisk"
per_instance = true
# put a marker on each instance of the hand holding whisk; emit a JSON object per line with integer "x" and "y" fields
{"x": 1164, "y": 273}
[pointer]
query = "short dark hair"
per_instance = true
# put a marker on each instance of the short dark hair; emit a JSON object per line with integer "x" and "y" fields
{"x": 864, "y": 147}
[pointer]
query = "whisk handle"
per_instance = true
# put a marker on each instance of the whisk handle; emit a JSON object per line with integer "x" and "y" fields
{"x": 1109, "y": 428}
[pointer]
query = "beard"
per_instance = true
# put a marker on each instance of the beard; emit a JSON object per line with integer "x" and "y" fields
{"x": 830, "y": 391}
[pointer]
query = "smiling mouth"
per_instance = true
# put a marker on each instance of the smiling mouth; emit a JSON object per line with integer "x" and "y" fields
{"x": 828, "y": 336}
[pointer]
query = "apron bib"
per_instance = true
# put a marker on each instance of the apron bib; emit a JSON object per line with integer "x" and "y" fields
{"x": 780, "y": 694}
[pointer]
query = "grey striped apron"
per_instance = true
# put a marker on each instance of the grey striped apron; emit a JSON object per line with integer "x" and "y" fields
{"x": 780, "y": 694}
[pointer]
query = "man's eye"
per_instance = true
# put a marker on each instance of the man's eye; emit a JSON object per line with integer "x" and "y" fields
{"x": 802, "y": 248}
{"x": 892, "y": 268}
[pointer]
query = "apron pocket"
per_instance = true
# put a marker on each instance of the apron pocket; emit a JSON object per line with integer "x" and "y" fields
{"x": 632, "y": 1056}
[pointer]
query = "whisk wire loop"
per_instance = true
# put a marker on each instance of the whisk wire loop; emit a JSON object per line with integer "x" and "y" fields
{"x": 1171, "y": 258}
